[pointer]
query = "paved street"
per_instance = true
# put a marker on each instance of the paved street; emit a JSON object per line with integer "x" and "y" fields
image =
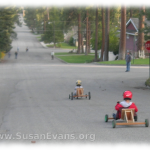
{"x": 34, "y": 96}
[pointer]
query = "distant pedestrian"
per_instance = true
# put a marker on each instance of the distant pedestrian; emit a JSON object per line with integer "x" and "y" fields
{"x": 128, "y": 62}
{"x": 52, "y": 55}
{"x": 27, "y": 49}
{"x": 17, "y": 49}
{"x": 16, "y": 54}
{"x": 9, "y": 54}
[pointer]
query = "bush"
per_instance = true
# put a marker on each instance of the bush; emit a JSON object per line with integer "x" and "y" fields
{"x": 147, "y": 83}
{"x": 58, "y": 45}
{"x": 42, "y": 37}
{"x": 71, "y": 41}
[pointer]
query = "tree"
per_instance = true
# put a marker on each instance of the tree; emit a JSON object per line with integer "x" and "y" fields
{"x": 107, "y": 17}
{"x": 96, "y": 34}
{"x": 79, "y": 33}
{"x": 103, "y": 34}
{"x": 54, "y": 27}
{"x": 87, "y": 28}
{"x": 8, "y": 17}
{"x": 147, "y": 27}
{"x": 122, "y": 47}
{"x": 141, "y": 27}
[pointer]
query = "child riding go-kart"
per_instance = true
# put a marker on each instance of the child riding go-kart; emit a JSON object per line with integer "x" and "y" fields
{"x": 79, "y": 91}
{"x": 126, "y": 110}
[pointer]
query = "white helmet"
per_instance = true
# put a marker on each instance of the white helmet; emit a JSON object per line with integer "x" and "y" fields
{"x": 78, "y": 82}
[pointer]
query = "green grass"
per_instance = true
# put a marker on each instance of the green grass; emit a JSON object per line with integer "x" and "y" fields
{"x": 123, "y": 62}
{"x": 63, "y": 46}
{"x": 39, "y": 38}
{"x": 147, "y": 83}
{"x": 65, "y": 53}
{"x": 52, "y": 45}
{"x": 77, "y": 58}
{"x": 67, "y": 46}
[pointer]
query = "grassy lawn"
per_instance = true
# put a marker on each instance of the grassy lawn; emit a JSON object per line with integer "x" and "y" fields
{"x": 123, "y": 62}
{"x": 65, "y": 53}
{"x": 38, "y": 37}
{"x": 63, "y": 46}
{"x": 81, "y": 58}
{"x": 77, "y": 58}
{"x": 67, "y": 46}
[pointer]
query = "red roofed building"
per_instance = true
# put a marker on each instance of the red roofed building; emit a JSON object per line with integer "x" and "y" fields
{"x": 132, "y": 35}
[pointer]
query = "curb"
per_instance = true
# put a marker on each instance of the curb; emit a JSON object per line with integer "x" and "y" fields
{"x": 43, "y": 45}
{"x": 61, "y": 60}
{"x": 116, "y": 64}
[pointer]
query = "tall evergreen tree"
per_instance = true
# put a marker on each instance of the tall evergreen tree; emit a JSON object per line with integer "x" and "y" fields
{"x": 8, "y": 18}
{"x": 122, "y": 47}
{"x": 107, "y": 19}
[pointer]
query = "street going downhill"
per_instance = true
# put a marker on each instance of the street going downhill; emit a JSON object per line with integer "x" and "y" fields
{"x": 34, "y": 98}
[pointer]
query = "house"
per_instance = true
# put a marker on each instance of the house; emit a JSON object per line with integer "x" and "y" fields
{"x": 132, "y": 34}
{"x": 71, "y": 33}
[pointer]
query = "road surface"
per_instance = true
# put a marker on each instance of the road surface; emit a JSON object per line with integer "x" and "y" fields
{"x": 34, "y": 98}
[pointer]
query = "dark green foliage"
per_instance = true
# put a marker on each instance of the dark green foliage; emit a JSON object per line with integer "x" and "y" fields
{"x": 113, "y": 40}
{"x": 8, "y": 16}
{"x": 71, "y": 41}
{"x": 52, "y": 29}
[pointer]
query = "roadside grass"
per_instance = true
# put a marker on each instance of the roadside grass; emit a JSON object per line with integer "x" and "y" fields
{"x": 67, "y": 46}
{"x": 39, "y": 38}
{"x": 66, "y": 53}
{"x": 139, "y": 61}
{"x": 77, "y": 58}
{"x": 62, "y": 45}
{"x": 147, "y": 83}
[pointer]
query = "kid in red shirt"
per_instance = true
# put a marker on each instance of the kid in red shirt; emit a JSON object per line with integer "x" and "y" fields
{"x": 127, "y": 96}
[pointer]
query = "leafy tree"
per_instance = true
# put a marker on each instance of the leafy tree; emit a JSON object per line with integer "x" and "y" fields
{"x": 8, "y": 18}
{"x": 113, "y": 39}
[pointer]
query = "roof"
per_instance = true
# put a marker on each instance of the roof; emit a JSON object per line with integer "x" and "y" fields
{"x": 135, "y": 23}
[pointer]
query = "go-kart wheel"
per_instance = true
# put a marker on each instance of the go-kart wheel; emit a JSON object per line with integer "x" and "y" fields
{"x": 89, "y": 95}
{"x": 106, "y": 118}
{"x": 135, "y": 118}
{"x": 146, "y": 122}
{"x": 77, "y": 97}
{"x": 71, "y": 95}
{"x": 86, "y": 95}
{"x": 114, "y": 123}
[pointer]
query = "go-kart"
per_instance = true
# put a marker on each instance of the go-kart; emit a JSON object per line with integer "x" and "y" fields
{"x": 79, "y": 94}
{"x": 127, "y": 115}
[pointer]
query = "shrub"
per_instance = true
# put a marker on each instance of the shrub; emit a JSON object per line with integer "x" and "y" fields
{"x": 147, "y": 83}
{"x": 71, "y": 41}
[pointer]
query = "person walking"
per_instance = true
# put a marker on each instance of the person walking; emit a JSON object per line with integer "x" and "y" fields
{"x": 16, "y": 53}
{"x": 52, "y": 55}
{"x": 17, "y": 49}
{"x": 27, "y": 49}
{"x": 9, "y": 54}
{"x": 128, "y": 62}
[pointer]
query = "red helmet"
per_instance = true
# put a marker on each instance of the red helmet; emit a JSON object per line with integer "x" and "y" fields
{"x": 127, "y": 95}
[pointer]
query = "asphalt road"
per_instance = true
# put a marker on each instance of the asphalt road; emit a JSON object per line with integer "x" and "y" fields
{"x": 34, "y": 97}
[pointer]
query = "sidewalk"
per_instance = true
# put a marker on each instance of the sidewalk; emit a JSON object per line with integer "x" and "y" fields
{"x": 43, "y": 44}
